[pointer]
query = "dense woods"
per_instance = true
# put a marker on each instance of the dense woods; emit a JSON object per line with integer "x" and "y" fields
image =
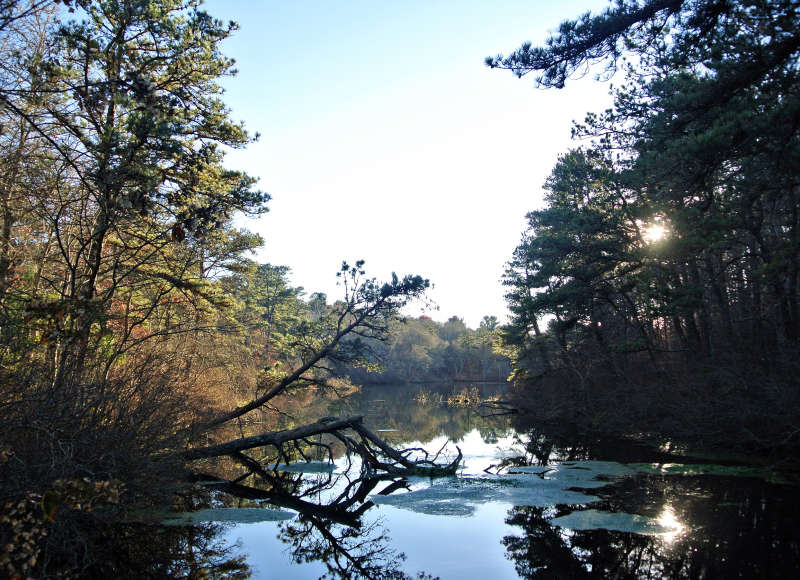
{"x": 133, "y": 321}
{"x": 657, "y": 289}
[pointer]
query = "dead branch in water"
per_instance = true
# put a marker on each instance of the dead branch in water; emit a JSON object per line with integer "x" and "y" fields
{"x": 377, "y": 455}
{"x": 276, "y": 438}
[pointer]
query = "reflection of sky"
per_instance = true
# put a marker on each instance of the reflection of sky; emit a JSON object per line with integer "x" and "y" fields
{"x": 268, "y": 557}
{"x": 449, "y": 547}
{"x": 478, "y": 455}
{"x": 465, "y": 545}
{"x": 481, "y": 455}
{"x": 446, "y": 547}
{"x": 453, "y": 547}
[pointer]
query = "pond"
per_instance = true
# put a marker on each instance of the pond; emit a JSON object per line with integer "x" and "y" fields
{"x": 524, "y": 505}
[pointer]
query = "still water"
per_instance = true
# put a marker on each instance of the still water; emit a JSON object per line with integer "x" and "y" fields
{"x": 524, "y": 505}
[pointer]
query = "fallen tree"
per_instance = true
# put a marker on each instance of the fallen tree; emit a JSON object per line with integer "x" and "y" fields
{"x": 376, "y": 453}
{"x": 365, "y": 312}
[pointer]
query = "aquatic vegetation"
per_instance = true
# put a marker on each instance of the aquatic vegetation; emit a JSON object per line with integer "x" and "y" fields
{"x": 531, "y": 486}
{"x": 467, "y": 397}
{"x": 568, "y": 517}
{"x": 592, "y": 519}
{"x": 583, "y": 474}
{"x": 428, "y": 397}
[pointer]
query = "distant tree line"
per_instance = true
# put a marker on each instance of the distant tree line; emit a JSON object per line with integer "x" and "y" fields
{"x": 658, "y": 289}
{"x": 421, "y": 350}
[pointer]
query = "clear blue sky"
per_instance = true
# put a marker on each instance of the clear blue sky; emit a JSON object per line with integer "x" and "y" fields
{"x": 384, "y": 137}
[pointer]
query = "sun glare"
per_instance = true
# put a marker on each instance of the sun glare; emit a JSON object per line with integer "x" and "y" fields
{"x": 654, "y": 233}
{"x": 670, "y": 522}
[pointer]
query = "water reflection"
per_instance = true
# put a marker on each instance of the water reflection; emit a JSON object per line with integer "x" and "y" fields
{"x": 667, "y": 519}
{"x": 400, "y": 415}
{"x": 543, "y": 551}
{"x": 138, "y": 550}
{"x": 347, "y": 552}
{"x": 725, "y": 528}
{"x": 329, "y": 527}
{"x": 697, "y": 526}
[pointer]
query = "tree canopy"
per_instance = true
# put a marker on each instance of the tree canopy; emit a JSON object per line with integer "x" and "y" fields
{"x": 672, "y": 235}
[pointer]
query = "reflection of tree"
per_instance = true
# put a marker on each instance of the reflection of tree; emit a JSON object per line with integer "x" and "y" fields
{"x": 426, "y": 422}
{"x": 544, "y": 551}
{"x": 329, "y": 528}
{"x": 386, "y": 407}
{"x": 393, "y": 407}
{"x": 542, "y": 449}
{"x": 347, "y": 552}
{"x": 733, "y": 528}
{"x": 145, "y": 551}
{"x": 488, "y": 434}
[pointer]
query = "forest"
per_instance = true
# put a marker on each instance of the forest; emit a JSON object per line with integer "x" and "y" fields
{"x": 657, "y": 292}
{"x": 133, "y": 323}
{"x": 654, "y": 295}
{"x": 421, "y": 350}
